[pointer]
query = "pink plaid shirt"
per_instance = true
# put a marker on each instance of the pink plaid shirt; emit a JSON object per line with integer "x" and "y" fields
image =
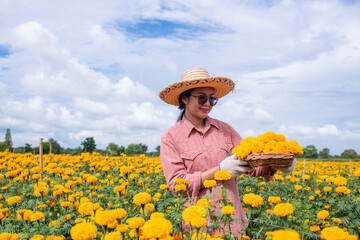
{"x": 186, "y": 152}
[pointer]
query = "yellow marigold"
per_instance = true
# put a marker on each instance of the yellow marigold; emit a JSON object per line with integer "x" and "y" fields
{"x": 340, "y": 181}
{"x": 342, "y": 189}
{"x": 179, "y": 181}
{"x": 228, "y": 210}
{"x": 91, "y": 179}
{"x": 253, "y": 199}
{"x": 36, "y": 215}
{"x": 180, "y": 187}
{"x": 281, "y": 147}
{"x": 37, "y": 237}
{"x": 135, "y": 222}
{"x": 157, "y": 228}
{"x": 193, "y": 211}
{"x": 203, "y": 202}
{"x": 311, "y": 197}
{"x": 283, "y": 209}
{"x": 105, "y": 217}
{"x": 198, "y": 222}
{"x": 294, "y": 148}
{"x": 142, "y": 198}
{"x": 330, "y": 233}
{"x": 274, "y": 200}
{"x": 118, "y": 189}
{"x": 298, "y": 187}
{"x": 330, "y": 179}
{"x": 314, "y": 228}
{"x": 86, "y": 208}
{"x": 257, "y": 147}
{"x": 356, "y": 173}
{"x": 163, "y": 186}
{"x": 119, "y": 213}
{"x": 322, "y": 214}
{"x": 113, "y": 236}
{"x": 222, "y": 175}
{"x": 149, "y": 208}
{"x": 122, "y": 228}
{"x": 209, "y": 183}
{"x": 41, "y": 191}
{"x": 244, "y": 149}
{"x": 327, "y": 189}
{"x": 83, "y": 231}
{"x": 306, "y": 177}
{"x": 157, "y": 215}
{"x": 337, "y": 220}
{"x": 284, "y": 234}
{"x": 13, "y": 200}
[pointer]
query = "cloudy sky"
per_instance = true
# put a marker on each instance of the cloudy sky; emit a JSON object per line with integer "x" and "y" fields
{"x": 76, "y": 69}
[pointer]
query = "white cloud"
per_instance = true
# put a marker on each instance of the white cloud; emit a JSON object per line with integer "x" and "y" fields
{"x": 263, "y": 116}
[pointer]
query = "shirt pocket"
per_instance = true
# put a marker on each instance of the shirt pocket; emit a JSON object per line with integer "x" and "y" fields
{"x": 192, "y": 160}
{"x": 225, "y": 150}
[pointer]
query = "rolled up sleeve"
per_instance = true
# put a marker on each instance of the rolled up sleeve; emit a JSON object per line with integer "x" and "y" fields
{"x": 174, "y": 167}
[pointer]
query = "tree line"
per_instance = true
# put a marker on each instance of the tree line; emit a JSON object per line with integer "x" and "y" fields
{"x": 113, "y": 149}
{"x": 88, "y": 145}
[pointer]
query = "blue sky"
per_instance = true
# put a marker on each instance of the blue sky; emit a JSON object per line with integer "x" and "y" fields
{"x": 70, "y": 70}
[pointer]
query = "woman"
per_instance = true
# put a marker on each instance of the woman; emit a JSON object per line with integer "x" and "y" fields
{"x": 197, "y": 146}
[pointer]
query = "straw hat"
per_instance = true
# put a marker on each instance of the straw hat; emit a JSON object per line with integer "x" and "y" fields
{"x": 196, "y": 78}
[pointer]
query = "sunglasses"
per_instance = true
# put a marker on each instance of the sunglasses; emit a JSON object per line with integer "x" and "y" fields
{"x": 202, "y": 99}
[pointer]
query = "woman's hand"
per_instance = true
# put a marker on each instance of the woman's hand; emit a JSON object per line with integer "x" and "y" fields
{"x": 286, "y": 169}
{"x": 235, "y": 166}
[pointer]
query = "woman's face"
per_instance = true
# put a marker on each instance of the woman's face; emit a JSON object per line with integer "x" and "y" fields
{"x": 193, "y": 109}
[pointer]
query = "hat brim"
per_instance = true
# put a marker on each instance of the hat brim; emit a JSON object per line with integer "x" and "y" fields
{"x": 221, "y": 85}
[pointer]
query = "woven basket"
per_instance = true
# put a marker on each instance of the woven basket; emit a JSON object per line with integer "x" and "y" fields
{"x": 270, "y": 159}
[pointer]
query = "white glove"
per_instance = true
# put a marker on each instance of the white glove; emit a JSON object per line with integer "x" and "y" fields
{"x": 287, "y": 169}
{"x": 235, "y": 166}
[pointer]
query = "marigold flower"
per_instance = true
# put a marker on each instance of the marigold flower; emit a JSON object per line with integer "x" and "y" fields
{"x": 298, "y": 187}
{"x": 330, "y": 233}
{"x": 86, "y": 208}
{"x": 284, "y": 234}
{"x": 157, "y": 228}
{"x": 253, "y": 199}
{"x": 36, "y": 237}
{"x": 135, "y": 222}
{"x": 203, "y": 202}
{"x": 283, "y": 209}
{"x": 179, "y": 181}
{"x": 222, "y": 175}
{"x": 122, "y": 228}
{"x": 306, "y": 177}
{"x": 157, "y": 215}
{"x": 340, "y": 181}
{"x": 327, "y": 189}
{"x": 180, "y": 187}
{"x": 36, "y": 215}
{"x": 198, "y": 222}
{"x": 209, "y": 183}
{"x": 342, "y": 189}
{"x": 113, "y": 236}
{"x": 142, "y": 198}
{"x": 193, "y": 211}
{"x": 83, "y": 231}
{"x": 13, "y": 200}
{"x": 314, "y": 228}
{"x": 228, "y": 210}
{"x": 119, "y": 213}
{"x": 274, "y": 200}
{"x": 322, "y": 214}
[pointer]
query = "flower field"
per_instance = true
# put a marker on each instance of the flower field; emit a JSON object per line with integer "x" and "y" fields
{"x": 96, "y": 197}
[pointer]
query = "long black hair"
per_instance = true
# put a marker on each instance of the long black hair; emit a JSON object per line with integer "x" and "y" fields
{"x": 182, "y": 104}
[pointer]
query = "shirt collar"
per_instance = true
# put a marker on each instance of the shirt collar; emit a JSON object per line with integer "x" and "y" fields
{"x": 188, "y": 127}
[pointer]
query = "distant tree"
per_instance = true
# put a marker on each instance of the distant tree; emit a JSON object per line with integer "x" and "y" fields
{"x": 4, "y": 146}
{"x": 157, "y": 149}
{"x": 310, "y": 151}
{"x": 55, "y": 146}
{"x": 28, "y": 148}
{"x": 121, "y": 149}
{"x": 136, "y": 149}
{"x": 349, "y": 153}
{"x": 324, "y": 153}
{"x": 89, "y": 144}
{"x": 8, "y": 137}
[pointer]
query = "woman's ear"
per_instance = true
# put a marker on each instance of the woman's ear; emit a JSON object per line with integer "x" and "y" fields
{"x": 185, "y": 99}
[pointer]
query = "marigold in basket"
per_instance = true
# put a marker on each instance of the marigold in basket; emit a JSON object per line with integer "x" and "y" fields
{"x": 266, "y": 143}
